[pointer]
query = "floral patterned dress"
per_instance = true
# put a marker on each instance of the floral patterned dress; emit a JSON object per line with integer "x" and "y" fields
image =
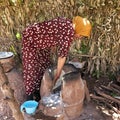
{"x": 37, "y": 41}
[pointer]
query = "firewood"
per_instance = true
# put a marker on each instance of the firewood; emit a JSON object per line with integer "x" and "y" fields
{"x": 107, "y": 96}
{"x": 106, "y": 102}
{"x": 118, "y": 78}
{"x": 100, "y": 99}
{"x": 110, "y": 89}
{"x": 106, "y": 88}
{"x": 113, "y": 108}
{"x": 9, "y": 95}
{"x": 115, "y": 86}
{"x": 115, "y": 90}
{"x": 97, "y": 97}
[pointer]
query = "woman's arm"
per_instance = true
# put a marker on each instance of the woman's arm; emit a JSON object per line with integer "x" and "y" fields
{"x": 60, "y": 64}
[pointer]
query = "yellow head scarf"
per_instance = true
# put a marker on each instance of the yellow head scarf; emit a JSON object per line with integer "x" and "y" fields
{"x": 82, "y": 26}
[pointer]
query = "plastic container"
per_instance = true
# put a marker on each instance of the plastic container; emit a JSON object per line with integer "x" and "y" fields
{"x": 29, "y": 106}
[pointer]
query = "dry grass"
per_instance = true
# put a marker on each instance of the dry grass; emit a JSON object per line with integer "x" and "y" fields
{"x": 101, "y": 51}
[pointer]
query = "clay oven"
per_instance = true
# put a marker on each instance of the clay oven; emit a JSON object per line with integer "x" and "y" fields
{"x": 66, "y": 100}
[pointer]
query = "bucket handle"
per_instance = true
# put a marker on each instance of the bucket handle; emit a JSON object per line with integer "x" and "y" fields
{"x": 23, "y": 109}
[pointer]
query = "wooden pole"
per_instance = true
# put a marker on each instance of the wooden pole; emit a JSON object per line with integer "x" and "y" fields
{"x": 9, "y": 95}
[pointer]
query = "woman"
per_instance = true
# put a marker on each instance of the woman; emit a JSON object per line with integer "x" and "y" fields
{"x": 38, "y": 40}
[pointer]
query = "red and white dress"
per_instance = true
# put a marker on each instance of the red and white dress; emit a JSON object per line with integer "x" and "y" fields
{"x": 37, "y": 41}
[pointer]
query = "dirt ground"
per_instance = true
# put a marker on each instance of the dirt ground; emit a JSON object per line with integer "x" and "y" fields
{"x": 91, "y": 111}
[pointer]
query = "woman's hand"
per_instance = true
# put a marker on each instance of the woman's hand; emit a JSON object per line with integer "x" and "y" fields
{"x": 60, "y": 64}
{"x": 55, "y": 79}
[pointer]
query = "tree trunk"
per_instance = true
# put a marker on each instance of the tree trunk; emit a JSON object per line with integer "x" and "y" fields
{"x": 9, "y": 95}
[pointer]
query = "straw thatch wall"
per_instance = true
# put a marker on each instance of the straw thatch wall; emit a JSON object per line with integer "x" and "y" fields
{"x": 101, "y": 51}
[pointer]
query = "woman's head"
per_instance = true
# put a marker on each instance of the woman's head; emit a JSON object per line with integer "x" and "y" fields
{"x": 82, "y": 26}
